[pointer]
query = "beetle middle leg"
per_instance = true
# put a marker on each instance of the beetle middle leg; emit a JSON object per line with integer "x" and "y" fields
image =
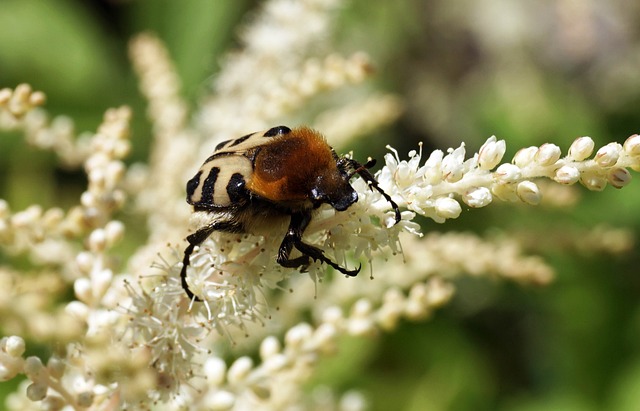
{"x": 293, "y": 238}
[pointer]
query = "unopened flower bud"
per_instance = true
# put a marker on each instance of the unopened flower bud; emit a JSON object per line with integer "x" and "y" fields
{"x": 547, "y": 154}
{"x": 269, "y": 346}
{"x": 215, "y": 369}
{"x": 507, "y": 173}
{"x": 56, "y": 367}
{"x": 567, "y": 175}
{"x": 529, "y": 192}
{"x": 324, "y": 336}
{"x": 87, "y": 199}
{"x": 491, "y": 153}
{"x": 477, "y": 197}
{"x": 619, "y": 177}
{"x": 608, "y": 155}
{"x": 439, "y": 292}
{"x": 85, "y": 399}
{"x": 114, "y": 231}
{"x": 297, "y": 335}
{"x": 581, "y": 148}
{"x": 447, "y": 207}
{"x": 333, "y": 315}
{"x": 505, "y": 192}
{"x": 239, "y": 370}
{"x": 593, "y": 182}
{"x": 97, "y": 240}
{"x": 632, "y": 145}
{"x": 37, "y": 391}
{"x": 14, "y": 346}
{"x": 525, "y": 156}
{"x": 85, "y": 261}
{"x": 33, "y": 368}
{"x": 83, "y": 290}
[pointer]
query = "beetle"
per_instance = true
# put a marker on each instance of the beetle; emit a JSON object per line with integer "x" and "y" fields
{"x": 280, "y": 172}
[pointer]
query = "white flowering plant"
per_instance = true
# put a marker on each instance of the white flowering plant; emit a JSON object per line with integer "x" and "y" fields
{"x": 94, "y": 314}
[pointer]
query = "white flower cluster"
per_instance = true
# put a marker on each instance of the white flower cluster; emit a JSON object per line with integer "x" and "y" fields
{"x": 20, "y": 101}
{"x": 278, "y": 70}
{"x": 19, "y": 111}
{"x": 433, "y": 188}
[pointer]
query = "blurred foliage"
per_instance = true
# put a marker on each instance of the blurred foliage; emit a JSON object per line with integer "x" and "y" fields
{"x": 528, "y": 72}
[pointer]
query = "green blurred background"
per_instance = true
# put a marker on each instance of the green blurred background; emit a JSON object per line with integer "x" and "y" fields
{"x": 528, "y": 72}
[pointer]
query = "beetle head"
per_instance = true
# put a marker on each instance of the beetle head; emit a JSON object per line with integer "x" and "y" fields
{"x": 335, "y": 191}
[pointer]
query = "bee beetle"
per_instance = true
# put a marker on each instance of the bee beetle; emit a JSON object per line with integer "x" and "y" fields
{"x": 273, "y": 174}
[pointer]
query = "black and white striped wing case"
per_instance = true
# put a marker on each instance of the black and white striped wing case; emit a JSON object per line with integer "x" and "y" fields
{"x": 221, "y": 181}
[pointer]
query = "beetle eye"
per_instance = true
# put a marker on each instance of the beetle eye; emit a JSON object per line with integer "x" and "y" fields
{"x": 317, "y": 197}
{"x": 344, "y": 200}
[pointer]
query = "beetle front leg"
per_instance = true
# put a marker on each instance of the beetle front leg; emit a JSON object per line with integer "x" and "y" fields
{"x": 363, "y": 171}
{"x": 293, "y": 238}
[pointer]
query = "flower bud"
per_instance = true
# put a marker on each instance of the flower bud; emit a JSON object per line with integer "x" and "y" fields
{"x": 567, "y": 175}
{"x": 87, "y": 199}
{"x": 581, "y": 148}
{"x": 632, "y": 145}
{"x": 608, "y": 155}
{"x": 297, "y": 335}
{"x": 269, "y": 346}
{"x": 56, "y": 367}
{"x": 324, "y": 337}
{"x": 491, "y": 153}
{"x": 33, "y": 368}
{"x": 14, "y": 346}
{"x": 439, "y": 292}
{"x": 453, "y": 165}
{"x": 619, "y": 177}
{"x": 239, "y": 370}
{"x": 507, "y": 173}
{"x": 77, "y": 310}
{"x": 529, "y": 192}
{"x": 83, "y": 290}
{"x": 37, "y": 391}
{"x": 477, "y": 197}
{"x": 547, "y": 154}
{"x": 593, "y": 182}
{"x": 85, "y": 399}
{"x": 97, "y": 240}
{"x": 114, "y": 231}
{"x": 332, "y": 315}
{"x": 525, "y": 156}
{"x": 505, "y": 192}
{"x": 215, "y": 370}
{"x": 85, "y": 261}
{"x": 447, "y": 207}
